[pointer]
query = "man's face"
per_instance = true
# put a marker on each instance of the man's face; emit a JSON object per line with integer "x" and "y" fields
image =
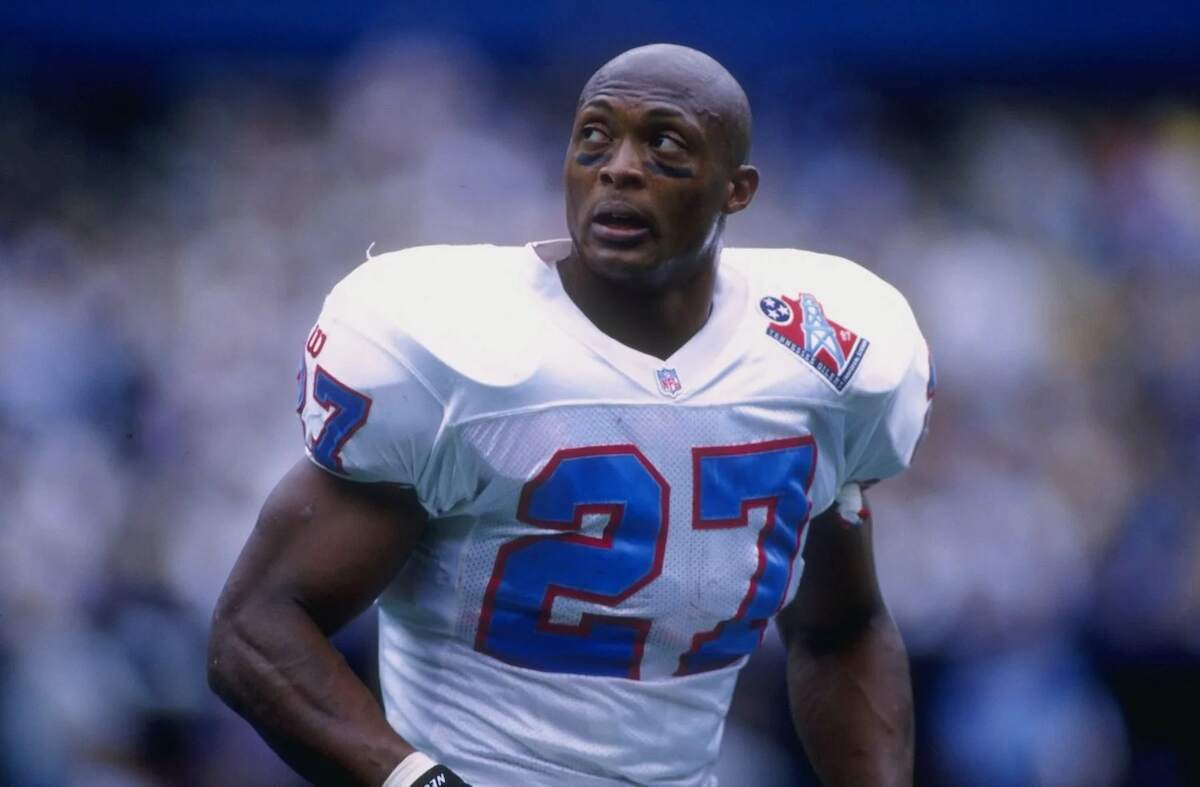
{"x": 647, "y": 176}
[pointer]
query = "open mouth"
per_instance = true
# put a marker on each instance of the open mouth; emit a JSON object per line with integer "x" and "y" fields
{"x": 616, "y": 224}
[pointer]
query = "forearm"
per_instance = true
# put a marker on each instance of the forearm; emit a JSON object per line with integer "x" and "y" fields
{"x": 851, "y": 701}
{"x": 274, "y": 666}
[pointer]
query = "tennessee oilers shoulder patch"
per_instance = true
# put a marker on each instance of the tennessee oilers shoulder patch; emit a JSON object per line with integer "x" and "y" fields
{"x": 800, "y": 325}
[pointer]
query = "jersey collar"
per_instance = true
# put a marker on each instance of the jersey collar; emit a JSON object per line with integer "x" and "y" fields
{"x": 689, "y": 369}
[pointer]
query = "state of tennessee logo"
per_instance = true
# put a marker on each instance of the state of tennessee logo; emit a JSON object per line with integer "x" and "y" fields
{"x": 800, "y": 325}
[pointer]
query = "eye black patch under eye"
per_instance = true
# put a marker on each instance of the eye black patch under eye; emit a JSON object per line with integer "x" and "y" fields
{"x": 588, "y": 159}
{"x": 670, "y": 171}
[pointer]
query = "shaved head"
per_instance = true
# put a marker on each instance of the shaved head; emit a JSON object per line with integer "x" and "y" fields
{"x": 686, "y": 75}
{"x": 656, "y": 162}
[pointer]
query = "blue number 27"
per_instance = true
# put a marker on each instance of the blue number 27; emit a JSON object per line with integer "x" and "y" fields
{"x": 620, "y": 483}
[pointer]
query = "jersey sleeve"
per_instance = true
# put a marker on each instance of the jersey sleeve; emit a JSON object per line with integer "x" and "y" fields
{"x": 885, "y": 436}
{"x": 367, "y": 415}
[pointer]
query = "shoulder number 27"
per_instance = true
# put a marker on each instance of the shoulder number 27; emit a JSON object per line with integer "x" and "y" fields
{"x": 620, "y": 483}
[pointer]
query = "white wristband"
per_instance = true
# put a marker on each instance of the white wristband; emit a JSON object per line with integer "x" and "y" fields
{"x": 406, "y": 773}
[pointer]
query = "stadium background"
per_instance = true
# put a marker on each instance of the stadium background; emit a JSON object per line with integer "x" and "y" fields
{"x": 179, "y": 188}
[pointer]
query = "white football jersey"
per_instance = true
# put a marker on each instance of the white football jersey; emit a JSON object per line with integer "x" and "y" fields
{"x": 610, "y": 533}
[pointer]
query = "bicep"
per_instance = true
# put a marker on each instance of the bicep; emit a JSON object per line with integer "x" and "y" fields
{"x": 839, "y": 590}
{"x": 325, "y": 543}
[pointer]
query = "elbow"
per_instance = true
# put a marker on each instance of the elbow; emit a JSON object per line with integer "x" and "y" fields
{"x": 244, "y": 644}
{"x": 218, "y": 673}
{"x": 223, "y": 648}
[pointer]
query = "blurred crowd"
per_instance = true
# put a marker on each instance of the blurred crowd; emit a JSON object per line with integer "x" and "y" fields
{"x": 159, "y": 275}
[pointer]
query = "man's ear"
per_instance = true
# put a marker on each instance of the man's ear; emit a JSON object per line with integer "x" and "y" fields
{"x": 742, "y": 186}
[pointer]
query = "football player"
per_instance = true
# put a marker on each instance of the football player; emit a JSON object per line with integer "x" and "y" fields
{"x": 581, "y": 477}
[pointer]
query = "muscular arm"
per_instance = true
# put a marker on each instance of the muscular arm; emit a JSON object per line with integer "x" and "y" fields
{"x": 321, "y": 552}
{"x": 847, "y": 670}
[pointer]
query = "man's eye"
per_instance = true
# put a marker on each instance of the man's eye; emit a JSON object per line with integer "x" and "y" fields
{"x": 593, "y": 134}
{"x": 668, "y": 143}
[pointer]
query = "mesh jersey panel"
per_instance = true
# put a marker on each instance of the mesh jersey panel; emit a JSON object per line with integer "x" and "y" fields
{"x": 705, "y": 577}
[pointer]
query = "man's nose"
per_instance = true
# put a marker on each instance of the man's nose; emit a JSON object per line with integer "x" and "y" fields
{"x": 624, "y": 169}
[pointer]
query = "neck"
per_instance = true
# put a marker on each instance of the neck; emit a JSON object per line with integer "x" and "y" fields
{"x": 655, "y": 321}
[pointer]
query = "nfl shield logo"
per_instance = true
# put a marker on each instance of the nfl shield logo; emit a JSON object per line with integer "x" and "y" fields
{"x": 668, "y": 382}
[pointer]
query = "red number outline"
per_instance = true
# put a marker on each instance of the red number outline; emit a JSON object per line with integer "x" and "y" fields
{"x": 615, "y": 512}
{"x": 743, "y": 520}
